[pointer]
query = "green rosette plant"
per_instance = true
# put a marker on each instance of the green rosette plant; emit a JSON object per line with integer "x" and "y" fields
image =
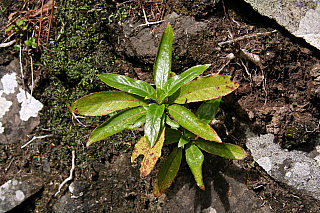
{"x": 163, "y": 112}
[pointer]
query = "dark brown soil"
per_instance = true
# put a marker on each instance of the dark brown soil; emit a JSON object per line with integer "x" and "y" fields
{"x": 280, "y": 97}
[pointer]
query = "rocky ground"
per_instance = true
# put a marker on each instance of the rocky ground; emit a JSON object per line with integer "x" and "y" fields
{"x": 278, "y": 94}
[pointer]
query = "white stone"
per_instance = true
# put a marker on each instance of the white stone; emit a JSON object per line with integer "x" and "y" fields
{"x": 14, "y": 182}
{"x": 301, "y": 18}
{"x": 301, "y": 169}
{"x": 288, "y": 174}
{"x": 29, "y": 105}
{"x": 20, "y": 195}
{"x": 3, "y": 188}
{"x": 265, "y": 162}
{"x": 9, "y": 82}
{"x": 4, "y": 105}
{"x": 1, "y": 128}
{"x": 317, "y": 158}
{"x": 294, "y": 168}
{"x": 309, "y": 27}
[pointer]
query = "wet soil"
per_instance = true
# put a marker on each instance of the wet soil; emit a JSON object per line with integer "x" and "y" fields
{"x": 278, "y": 96}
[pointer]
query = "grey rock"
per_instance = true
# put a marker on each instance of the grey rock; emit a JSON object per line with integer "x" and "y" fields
{"x": 238, "y": 199}
{"x": 77, "y": 199}
{"x": 15, "y": 191}
{"x": 18, "y": 109}
{"x": 298, "y": 169}
{"x": 142, "y": 42}
{"x": 77, "y": 189}
{"x": 225, "y": 191}
{"x": 46, "y": 165}
{"x": 300, "y": 17}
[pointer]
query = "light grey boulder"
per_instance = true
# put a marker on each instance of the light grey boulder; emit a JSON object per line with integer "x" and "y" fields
{"x": 298, "y": 169}
{"x": 17, "y": 190}
{"x": 299, "y": 17}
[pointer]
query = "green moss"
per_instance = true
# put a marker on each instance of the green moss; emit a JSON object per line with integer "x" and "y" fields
{"x": 77, "y": 52}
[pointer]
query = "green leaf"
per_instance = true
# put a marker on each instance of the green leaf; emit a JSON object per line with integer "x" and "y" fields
{"x": 168, "y": 172}
{"x": 172, "y": 136}
{"x": 194, "y": 159}
{"x": 161, "y": 96}
{"x": 129, "y": 85}
{"x": 28, "y": 43}
{"x": 187, "y": 133}
{"x": 116, "y": 124}
{"x": 17, "y": 47}
{"x": 103, "y": 103}
{"x": 171, "y": 123}
{"x": 189, "y": 121}
{"x": 162, "y": 66}
{"x": 226, "y": 150}
{"x": 151, "y": 155}
{"x": 31, "y": 42}
{"x": 21, "y": 22}
{"x": 208, "y": 110}
{"x": 183, "y": 141}
{"x": 177, "y": 81}
{"x": 34, "y": 45}
{"x": 204, "y": 88}
{"x": 153, "y": 122}
{"x": 9, "y": 28}
{"x": 138, "y": 123}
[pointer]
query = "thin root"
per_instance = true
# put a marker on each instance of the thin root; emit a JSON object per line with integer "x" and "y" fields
{"x": 70, "y": 176}
{"x": 147, "y": 22}
{"x": 74, "y": 116}
{"x": 34, "y": 138}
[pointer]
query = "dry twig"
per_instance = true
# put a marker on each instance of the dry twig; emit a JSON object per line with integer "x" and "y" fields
{"x": 246, "y": 37}
{"x": 44, "y": 8}
{"x": 8, "y": 43}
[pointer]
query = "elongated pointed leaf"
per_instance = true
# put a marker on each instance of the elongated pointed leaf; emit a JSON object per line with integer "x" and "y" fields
{"x": 129, "y": 85}
{"x": 168, "y": 172}
{"x": 161, "y": 96}
{"x": 162, "y": 66}
{"x": 103, "y": 103}
{"x": 138, "y": 123}
{"x": 226, "y": 150}
{"x": 189, "y": 121}
{"x": 207, "y": 111}
{"x": 151, "y": 157}
{"x": 153, "y": 122}
{"x": 187, "y": 133}
{"x": 172, "y": 136}
{"x": 177, "y": 81}
{"x": 116, "y": 124}
{"x": 183, "y": 141}
{"x": 171, "y": 123}
{"x": 194, "y": 159}
{"x": 204, "y": 88}
{"x": 141, "y": 148}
